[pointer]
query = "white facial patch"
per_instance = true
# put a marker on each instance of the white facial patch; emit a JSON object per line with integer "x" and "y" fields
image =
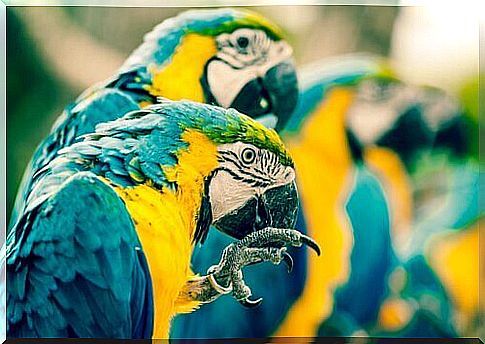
{"x": 438, "y": 108}
{"x": 237, "y": 65}
{"x": 374, "y": 111}
{"x": 227, "y": 194}
{"x": 242, "y": 176}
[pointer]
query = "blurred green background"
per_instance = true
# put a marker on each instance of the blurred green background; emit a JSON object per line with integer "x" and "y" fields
{"x": 54, "y": 53}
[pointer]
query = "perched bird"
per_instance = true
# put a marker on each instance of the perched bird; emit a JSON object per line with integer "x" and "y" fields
{"x": 433, "y": 199}
{"x": 396, "y": 132}
{"x": 103, "y": 246}
{"x": 227, "y": 57}
{"x": 337, "y": 190}
{"x": 390, "y": 127}
{"x": 350, "y": 138}
{"x": 326, "y": 174}
{"x": 446, "y": 182}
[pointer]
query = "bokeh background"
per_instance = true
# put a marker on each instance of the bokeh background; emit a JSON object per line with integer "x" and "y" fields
{"x": 54, "y": 53}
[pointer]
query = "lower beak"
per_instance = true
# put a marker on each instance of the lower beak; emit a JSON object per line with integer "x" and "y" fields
{"x": 277, "y": 207}
{"x": 454, "y": 136}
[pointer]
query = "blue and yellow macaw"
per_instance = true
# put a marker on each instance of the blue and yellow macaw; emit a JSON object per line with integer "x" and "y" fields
{"x": 389, "y": 126}
{"x": 326, "y": 173}
{"x": 394, "y": 128}
{"x": 357, "y": 202}
{"x": 227, "y": 57}
{"x": 103, "y": 246}
{"x": 445, "y": 229}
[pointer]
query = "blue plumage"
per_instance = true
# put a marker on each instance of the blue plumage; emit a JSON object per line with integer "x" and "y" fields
{"x": 77, "y": 267}
{"x": 372, "y": 257}
{"x": 160, "y": 44}
{"x": 371, "y": 260}
{"x": 76, "y": 120}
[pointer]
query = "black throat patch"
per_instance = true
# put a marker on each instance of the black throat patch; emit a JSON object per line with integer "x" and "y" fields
{"x": 204, "y": 217}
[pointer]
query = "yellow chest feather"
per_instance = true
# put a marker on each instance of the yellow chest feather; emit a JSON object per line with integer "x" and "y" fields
{"x": 165, "y": 222}
{"x": 180, "y": 77}
{"x": 324, "y": 169}
{"x": 163, "y": 227}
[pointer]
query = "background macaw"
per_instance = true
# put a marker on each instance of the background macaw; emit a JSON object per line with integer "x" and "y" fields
{"x": 347, "y": 166}
{"x": 446, "y": 180}
{"x": 103, "y": 246}
{"x": 389, "y": 127}
{"x": 316, "y": 141}
{"x": 227, "y": 57}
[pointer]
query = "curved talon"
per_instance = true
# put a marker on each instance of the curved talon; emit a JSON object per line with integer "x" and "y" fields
{"x": 288, "y": 260}
{"x": 310, "y": 243}
{"x": 250, "y": 303}
{"x": 219, "y": 288}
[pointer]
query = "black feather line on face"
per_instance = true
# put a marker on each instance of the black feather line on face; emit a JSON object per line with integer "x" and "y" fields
{"x": 356, "y": 148}
{"x": 209, "y": 97}
{"x": 204, "y": 217}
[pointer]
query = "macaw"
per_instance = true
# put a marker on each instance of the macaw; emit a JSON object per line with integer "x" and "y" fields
{"x": 429, "y": 131}
{"x": 103, "y": 246}
{"x": 341, "y": 172}
{"x": 446, "y": 229}
{"x": 227, "y": 57}
{"x": 390, "y": 126}
{"x": 398, "y": 131}
{"x": 326, "y": 173}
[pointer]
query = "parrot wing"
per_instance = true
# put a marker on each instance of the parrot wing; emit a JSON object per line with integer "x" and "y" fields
{"x": 77, "y": 268}
{"x": 77, "y": 119}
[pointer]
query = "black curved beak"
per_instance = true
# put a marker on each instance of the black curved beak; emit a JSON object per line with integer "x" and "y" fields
{"x": 275, "y": 94}
{"x": 409, "y": 134}
{"x": 277, "y": 207}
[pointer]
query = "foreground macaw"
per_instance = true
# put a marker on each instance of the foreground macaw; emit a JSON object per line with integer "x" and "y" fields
{"x": 227, "y": 57}
{"x": 103, "y": 246}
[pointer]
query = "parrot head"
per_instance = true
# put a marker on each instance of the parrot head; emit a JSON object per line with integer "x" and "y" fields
{"x": 226, "y": 57}
{"x": 251, "y": 189}
{"x": 405, "y": 118}
{"x": 235, "y": 173}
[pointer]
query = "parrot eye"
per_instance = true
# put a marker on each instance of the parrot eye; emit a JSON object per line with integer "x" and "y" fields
{"x": 248, "y": 155}
{"x": 242, "y": 42}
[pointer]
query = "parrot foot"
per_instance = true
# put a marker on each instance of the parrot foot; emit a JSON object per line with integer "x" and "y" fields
{"x": 266, "y": 245}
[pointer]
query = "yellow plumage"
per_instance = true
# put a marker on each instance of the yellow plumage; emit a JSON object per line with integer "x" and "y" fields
{"x": 455, "y": 256}
{"x": 397, "y": 187}
{"x": 180, "y": 77}
{"x": 165, "y": 222}
{"x": 324, "y": 168}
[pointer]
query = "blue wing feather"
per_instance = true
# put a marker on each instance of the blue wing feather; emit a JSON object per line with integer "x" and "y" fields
{"x": 372, "y": 259}
{"x": 78, "y": 270}
{"x": 77, "y": 119}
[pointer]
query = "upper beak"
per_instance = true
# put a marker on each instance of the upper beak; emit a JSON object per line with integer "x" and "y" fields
{"x": 411, "y": 133}
{"x": 276, "y": 94}
{"x": 277, "y": 207}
